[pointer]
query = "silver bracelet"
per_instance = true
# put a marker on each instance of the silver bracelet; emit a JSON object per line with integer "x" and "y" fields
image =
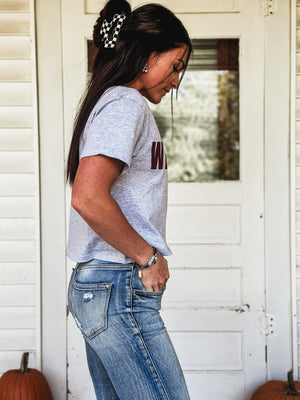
{"x": 152, "y": 260}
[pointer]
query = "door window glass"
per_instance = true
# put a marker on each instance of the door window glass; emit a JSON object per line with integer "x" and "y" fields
{"x": 201, "y": 139}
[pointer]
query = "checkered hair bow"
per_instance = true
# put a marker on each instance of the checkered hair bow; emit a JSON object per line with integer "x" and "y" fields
{"x": 111, "y": 30}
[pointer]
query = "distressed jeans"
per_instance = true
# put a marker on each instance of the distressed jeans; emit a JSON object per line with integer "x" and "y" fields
{"x": 129, "y": 353}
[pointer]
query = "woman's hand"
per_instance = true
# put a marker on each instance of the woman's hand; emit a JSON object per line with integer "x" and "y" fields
{"x": 155, "y": 277}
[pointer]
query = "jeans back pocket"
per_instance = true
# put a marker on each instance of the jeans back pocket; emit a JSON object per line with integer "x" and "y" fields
{"x": 89, "y": 305}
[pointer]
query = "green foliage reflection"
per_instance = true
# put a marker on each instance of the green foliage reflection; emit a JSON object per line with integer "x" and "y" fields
{"x": 203, "y": 144}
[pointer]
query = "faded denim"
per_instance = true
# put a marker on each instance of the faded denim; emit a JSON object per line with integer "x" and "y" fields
{"x": 129, "y": 353}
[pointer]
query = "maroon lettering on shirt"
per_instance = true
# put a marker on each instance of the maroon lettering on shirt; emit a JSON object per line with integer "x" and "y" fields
{"x": 158, "y": 157}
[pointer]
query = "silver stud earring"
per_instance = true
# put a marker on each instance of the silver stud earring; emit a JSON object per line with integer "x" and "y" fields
{"x": 145, "y": 69}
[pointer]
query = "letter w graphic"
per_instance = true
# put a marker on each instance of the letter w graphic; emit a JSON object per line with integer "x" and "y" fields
{"x": 158, "y": 159}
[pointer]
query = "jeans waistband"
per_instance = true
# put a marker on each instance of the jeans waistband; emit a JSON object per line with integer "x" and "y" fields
{"x": 104, "y": 264}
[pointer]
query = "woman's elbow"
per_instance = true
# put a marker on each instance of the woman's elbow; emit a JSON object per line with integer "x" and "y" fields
{"x": 78, "y": 203}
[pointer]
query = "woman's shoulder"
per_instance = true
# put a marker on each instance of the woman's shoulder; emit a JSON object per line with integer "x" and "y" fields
{"x": 117, "y": 101}
{"x": 124, "y": 93}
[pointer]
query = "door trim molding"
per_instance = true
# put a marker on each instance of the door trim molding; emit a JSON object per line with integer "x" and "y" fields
{"x": 293, "y": 13}
{"x": 278, "y": 190}
{"x": 51, "y": 128}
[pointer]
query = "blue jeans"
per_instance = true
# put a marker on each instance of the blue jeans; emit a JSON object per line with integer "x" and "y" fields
{"x": 129, "y": 353}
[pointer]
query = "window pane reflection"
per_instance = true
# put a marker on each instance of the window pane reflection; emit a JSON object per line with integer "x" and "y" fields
{"x": 202, "y": 143}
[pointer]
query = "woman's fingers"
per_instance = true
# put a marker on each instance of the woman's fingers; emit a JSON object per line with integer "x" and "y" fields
{"x": 155, "y": 277}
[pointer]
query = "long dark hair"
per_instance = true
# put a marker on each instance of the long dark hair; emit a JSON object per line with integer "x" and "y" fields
{"x": 148, "y": 28}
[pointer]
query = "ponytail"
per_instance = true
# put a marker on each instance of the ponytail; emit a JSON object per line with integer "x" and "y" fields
{"x": 112, "y": 8}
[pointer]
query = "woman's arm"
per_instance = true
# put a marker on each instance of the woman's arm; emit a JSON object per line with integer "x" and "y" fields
{"x": 91, "y": 198}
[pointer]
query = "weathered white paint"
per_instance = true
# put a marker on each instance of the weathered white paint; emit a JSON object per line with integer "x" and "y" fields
{"x": 223, "y": 193}
{"x": 212, "y": 256}
{"x": 277, "y": 190}
{"x": 206, "y": 383}
{"x": 204, "y": 288}
{"x": 203, "y": 224}
{"x": 19, "y": 187}
{"x": 209, "y": 351}
{"x": 204, "y": 319}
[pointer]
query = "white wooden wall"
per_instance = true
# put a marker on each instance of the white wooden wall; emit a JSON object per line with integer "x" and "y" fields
{"x": 19, "y": 187}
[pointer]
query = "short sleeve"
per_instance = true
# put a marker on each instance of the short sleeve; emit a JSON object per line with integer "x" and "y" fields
{"x": 114, "y": 130}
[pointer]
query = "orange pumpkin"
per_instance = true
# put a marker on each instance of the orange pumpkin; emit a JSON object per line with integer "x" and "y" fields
{"x": 24, "y": 383}
{"x": 278, "y": 390}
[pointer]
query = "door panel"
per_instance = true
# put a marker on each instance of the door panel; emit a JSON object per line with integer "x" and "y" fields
{"x": 177, "y": 6}
{"x": 203, "y": 224}
{"x": 204, "y": 288}
{"x": 214, "y": 307}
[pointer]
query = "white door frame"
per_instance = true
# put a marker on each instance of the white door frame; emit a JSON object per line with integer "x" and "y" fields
{"x": 293, "y": 60}
{"x": 279, "y": 190}
{"x": 278, "y": 193}
{"x": 53, "y": 259}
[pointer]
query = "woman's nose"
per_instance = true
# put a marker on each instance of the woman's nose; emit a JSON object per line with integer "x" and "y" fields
{"x": 175, "y": 80}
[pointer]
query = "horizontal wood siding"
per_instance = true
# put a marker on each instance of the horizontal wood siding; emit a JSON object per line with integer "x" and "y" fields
{"x": 19, "y": 191}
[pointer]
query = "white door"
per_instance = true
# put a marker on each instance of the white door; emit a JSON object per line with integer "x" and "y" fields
{"x": 214, "y": 307}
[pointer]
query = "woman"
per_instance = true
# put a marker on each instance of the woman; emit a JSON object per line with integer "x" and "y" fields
{"x": 119, "y": 198}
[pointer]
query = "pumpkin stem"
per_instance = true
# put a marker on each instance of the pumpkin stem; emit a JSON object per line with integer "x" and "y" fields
{"x": 24, "y": 363}
{"x": 291, "y": 390}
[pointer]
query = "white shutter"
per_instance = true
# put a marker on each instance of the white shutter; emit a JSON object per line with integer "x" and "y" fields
{"x": 19, "y": 188}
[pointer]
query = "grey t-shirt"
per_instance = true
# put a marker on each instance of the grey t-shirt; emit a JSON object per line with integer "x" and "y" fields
{"x": 122, "y": 126}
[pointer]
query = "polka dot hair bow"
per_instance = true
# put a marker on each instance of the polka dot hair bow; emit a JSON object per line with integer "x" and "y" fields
{"x": 111, "y": 30}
